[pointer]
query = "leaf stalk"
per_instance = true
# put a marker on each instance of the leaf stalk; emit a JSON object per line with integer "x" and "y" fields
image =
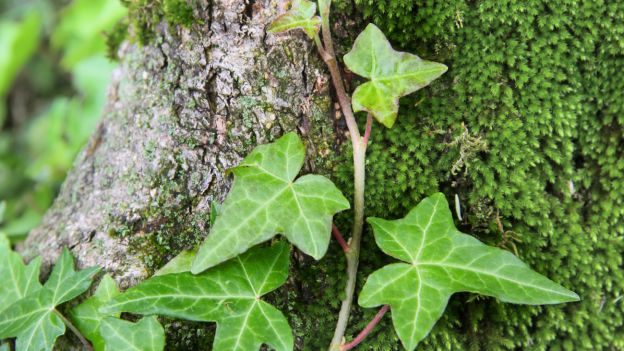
{"x": 364, "y": 333}
{"x": 74, "y": 330}
{"x": 341, "y": 241}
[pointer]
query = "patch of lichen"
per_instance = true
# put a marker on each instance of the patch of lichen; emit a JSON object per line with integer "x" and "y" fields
{"x": 538, "y": 83}
{"x": 167, "y": 225}
{"x": 143, "y": 18}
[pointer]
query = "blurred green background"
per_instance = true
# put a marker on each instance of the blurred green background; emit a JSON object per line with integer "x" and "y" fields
{"x": 54, "y": 74}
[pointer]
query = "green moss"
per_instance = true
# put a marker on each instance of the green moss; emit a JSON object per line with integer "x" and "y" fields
{"x": 538, "y": 83}
{"x": 115, "y": 37}
{"x": 187, "y": 335}
{"x": 178, "y": 12}
{"x": 145, "y": 15}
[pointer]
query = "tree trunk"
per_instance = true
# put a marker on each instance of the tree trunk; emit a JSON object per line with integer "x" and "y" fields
{"x": 180, "y": 112}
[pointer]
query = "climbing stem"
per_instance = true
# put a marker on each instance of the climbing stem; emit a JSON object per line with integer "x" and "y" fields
{"x": 364, "y": 333}
{"x": 326, "y": 50}
{"x": 353, "y": 255}
{"x": 75, "y": 330}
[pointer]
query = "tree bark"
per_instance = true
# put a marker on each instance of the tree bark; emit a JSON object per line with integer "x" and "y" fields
{"x": 180, "y": 112}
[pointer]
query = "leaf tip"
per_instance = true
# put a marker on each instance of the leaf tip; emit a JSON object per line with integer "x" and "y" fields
{"x": 197, "y": 267}
{"x": 572, "y": 296}
{"x": 440, "y": 68}
{"x": 202, "y": 261}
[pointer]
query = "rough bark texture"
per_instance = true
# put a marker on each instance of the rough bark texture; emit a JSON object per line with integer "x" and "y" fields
{"x": 181, "y": 111}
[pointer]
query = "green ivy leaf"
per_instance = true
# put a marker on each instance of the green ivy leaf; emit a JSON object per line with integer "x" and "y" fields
{"x": 86, "y": 316}
{"x": 34, "y": 320}
{"x": 228, "y": 294}
{"x": 265, "y": 200}
{"x": 145, "y": 335}
{"x": 19, "y": 280}
{"x": 179, "y": 264}
{"x": 302, "y": 14}
{"x": 441, "y": 261}
{"x": 392, "y": 74}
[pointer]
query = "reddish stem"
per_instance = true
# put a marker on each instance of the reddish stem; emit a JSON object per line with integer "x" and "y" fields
{"x": 339, "y": 238}
{"x": 369, "y": 126}
{"x": 364, "y": 333}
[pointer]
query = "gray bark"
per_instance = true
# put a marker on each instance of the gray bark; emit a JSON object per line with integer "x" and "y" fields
{"x": 180, "y": 112}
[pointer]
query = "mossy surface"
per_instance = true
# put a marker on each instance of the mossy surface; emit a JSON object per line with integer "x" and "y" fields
{"x": 525, "y": 128}
{"x": 143, "y": 18}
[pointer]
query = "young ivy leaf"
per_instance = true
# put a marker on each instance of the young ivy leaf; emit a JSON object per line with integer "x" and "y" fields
{"x": 392, "y": 74}
{"x": 228, "y": 294}
{"x": 33, "y": 320}
{"x": 440, "y": 261}
{"x": 19, "y": 280}
{"x": 145, "y": 335}
{"x": 302, "y": 14}
{"x": 86, "y": 316}
{"x": 265, "y": 200}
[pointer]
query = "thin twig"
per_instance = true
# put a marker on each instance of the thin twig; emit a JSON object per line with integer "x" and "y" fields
{"x": 364, "y": 333}
{"x": 341, "y": 241}
{"x": 75, "y": 330}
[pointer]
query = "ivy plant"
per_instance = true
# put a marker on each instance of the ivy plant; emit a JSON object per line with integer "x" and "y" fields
{"x": 302, "y": 14}
{"x": 88, "y": 319}
{"x": 392, "y": 74}
{"x": 32, "y": 316}
{"x": 225, "y": 279}
{"x": 437, "y": 261}
{"x": 265, "y": 200}
{"x": 144, "y": 335}
{"x": 228, "y": 294}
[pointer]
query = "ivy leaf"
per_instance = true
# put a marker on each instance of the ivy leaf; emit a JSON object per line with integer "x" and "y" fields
{"x": 265, "y": 200}
{"x": 181, "y": 263}
{"x": 228, "y": 294}
{"x": 86, "y": 316}
{"x": 392, "y": 74}
{"x": 34, "y": 320}
{"x": 441, "y": 261}
{"x": 145, "y": 335}
{"x": 19, "y": 280}
{"x": 302, "y": 14}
